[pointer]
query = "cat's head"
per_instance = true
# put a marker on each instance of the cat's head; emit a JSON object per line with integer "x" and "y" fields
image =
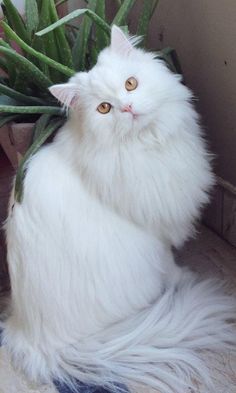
{"x": 126, "y": 92}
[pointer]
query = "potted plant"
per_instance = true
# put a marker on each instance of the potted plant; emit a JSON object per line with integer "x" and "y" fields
{"x": 40, "y": 50}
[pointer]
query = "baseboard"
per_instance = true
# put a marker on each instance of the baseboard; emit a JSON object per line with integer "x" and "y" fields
{"x": 221, "y": 213}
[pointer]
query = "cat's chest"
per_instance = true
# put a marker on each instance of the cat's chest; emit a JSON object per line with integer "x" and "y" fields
{"x": 129, "y": 169}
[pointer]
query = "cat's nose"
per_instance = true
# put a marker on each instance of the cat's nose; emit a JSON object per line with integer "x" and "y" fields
{"x": 127, "y": 108}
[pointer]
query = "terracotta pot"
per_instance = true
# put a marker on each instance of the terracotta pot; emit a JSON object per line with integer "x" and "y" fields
{"x": 15, "y": 138}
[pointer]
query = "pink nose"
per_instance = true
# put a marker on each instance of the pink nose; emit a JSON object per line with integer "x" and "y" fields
{"x": 127, "y": 108}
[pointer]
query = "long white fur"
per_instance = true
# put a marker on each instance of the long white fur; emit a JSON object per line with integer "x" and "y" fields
{"x": 96, "y": 294}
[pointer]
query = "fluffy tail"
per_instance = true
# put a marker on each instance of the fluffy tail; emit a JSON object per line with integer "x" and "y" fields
{"x": 161, "y": 347}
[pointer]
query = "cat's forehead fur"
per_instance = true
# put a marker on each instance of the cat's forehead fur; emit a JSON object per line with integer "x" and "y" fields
{"x": 113, "y": 67}
{"x": 116, "y": 63}
{"x": 107, "y": 78}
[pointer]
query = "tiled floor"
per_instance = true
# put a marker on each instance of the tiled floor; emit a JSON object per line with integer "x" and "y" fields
{"x": 207, "y": 254}
{"x": 210, "y": 256}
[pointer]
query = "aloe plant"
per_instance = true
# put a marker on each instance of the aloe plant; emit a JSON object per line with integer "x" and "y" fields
{"x": 50, "y": 51}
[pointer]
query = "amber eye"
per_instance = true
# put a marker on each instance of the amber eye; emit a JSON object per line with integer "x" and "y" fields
{"x": 131, "y": 84}
{"x": 104, "y": 107}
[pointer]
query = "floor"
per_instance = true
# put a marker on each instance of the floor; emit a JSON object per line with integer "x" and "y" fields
{"x": 209, "y": 255}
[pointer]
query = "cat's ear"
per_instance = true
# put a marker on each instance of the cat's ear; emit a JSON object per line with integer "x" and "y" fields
{"x": 119, "y": 42}
{"x": 66, "y": 93}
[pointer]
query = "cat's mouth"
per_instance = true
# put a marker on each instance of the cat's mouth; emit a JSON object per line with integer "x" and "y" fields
{"x": 129, "y": 109}
{"x": 132, "y": 115}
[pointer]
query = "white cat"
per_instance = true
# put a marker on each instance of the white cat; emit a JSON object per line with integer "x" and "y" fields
{"x": 96, "y": 294}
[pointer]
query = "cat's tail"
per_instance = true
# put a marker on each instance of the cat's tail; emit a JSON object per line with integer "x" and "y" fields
{"x": 161, "y": 347}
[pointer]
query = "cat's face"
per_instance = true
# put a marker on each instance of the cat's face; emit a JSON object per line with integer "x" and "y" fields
{"x": 127, "y": 91}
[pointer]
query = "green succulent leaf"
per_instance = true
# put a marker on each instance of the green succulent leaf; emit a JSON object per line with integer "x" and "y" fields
{"x": 149, "y": 7}
{"x": 4, "y": 43}
{"x": 70, "y": 36}
{"x": 53, "y": 110}
{"x": 11, "y": 70}
{"x": 6, "y": 100}
{"x": 93, "y": 54}
{"x": 49, "y": 41}
{"x": 60, "y": 2}
{"x": 52, "y": 63}
{"x": 75, "y": 14}
{"x": 32, "y": 16}
{"x": 79, "y": 50}
{"x": 38, "y": 45}
{"x": 123, "y": 12}
{"x": 29, "y": 69}
{"x": 43, "y": 135}
{"x": 19, "y": 82}
{"x": 19, "y": 96}
{"x": 170, "y": 57}
{"x": 63, "y": 48}
{"x": 101, "y": 9}
{"x": 102, "y": 38}
{"x": 40, "y": 125}
{"x": 3, "y": 64}
{"x": 16, "y": 21}
{"x": 155, "y": 3}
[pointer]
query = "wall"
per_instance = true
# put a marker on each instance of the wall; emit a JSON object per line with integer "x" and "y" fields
{"x": 203, "y": 32}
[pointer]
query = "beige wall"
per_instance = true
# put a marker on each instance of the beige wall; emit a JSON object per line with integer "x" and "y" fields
{"x": 204, "y": 35}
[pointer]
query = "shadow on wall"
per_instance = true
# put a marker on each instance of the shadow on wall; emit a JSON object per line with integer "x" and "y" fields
{"x": 203, "y": 33}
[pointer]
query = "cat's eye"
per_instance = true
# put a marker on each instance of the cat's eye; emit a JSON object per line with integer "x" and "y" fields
{"x": 104, "y": 107}
{"x": 131, "y": 83}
